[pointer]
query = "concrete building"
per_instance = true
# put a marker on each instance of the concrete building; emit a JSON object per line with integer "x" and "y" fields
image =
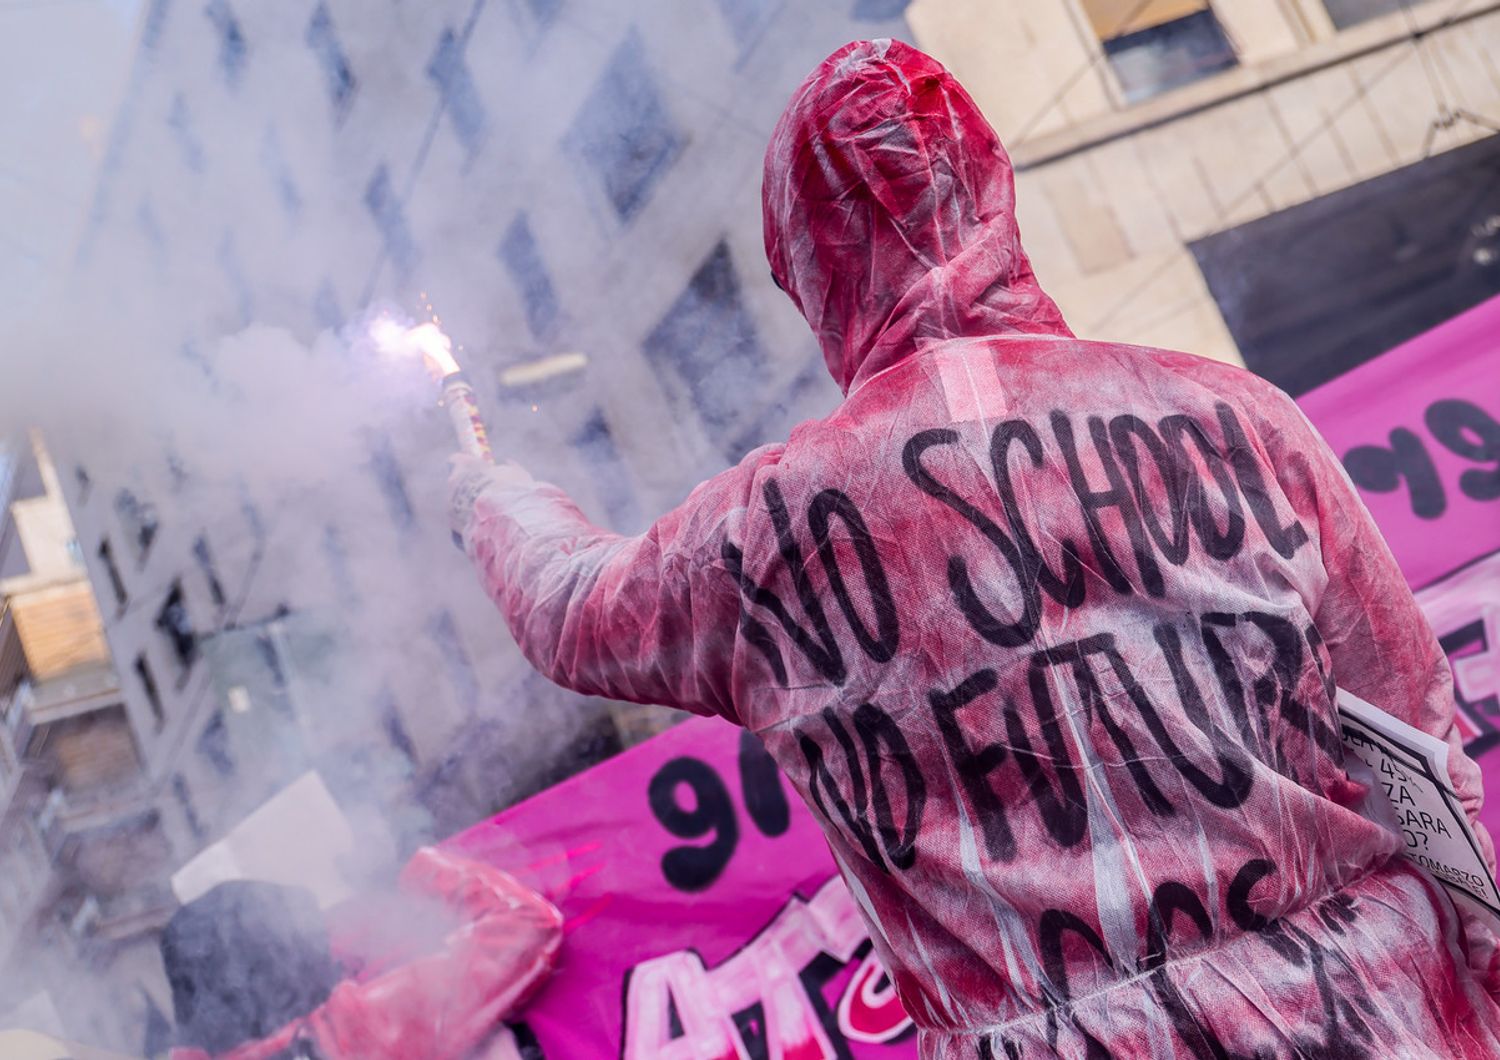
{"x": 83, "y": 847}
{"x": 569, "y": 183}
{"x": 1145, "y": 129}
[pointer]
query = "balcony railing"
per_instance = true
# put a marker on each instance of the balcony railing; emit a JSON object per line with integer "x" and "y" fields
{"x": 65, "y": 815}
{"x": 119, "y": 916}
{"x": 37, "y": 703}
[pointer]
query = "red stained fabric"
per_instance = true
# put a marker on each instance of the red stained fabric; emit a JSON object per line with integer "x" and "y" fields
{"x": 1044, "y": 630}
{"x": 443, "y": 1005}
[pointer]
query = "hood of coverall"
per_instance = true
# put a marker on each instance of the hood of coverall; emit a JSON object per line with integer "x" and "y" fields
{"x": 889, "y": 208}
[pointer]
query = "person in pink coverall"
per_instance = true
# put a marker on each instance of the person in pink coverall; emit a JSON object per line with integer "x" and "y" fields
{"x": 1044, "y": 630}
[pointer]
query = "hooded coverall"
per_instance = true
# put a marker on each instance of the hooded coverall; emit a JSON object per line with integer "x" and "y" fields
{"x": 1044, "y": 630}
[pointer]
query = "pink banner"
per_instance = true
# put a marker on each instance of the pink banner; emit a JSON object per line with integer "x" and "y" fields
{"x": 1419, "y": 432}
{"x": 705, "y": 918}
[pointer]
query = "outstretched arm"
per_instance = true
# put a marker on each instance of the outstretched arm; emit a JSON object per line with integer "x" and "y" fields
{"x": 648, "y": 619}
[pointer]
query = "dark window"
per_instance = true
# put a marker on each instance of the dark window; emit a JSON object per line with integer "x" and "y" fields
{"x": 810, "y": 395}
{"x": 173, "y": 621}
{"x": 392, "y": 483}
{"x": 270, "y": 657}
{"x": 596, "y": 445}
{"x": 177, "y": 470}
{"x": 150, "y": 228}
{"x": 193, "y": 355}
{"x": 231, "y": 40}
{"x": 194, "y": 822}
{"x": 1316, "y": 290}
{"x": 326, "y": 307}
{"x": 390, "y": 218}
{"x": 152, "y": 23}
{"x": 395, "y": 728}
{"x": 338, "y": 564}
{"x": 624, "y": 132}
{"x": 139, "y": 519}
{"x": 274, "y": 161}
{"x": 708, "y": 341}
{"x": 111, "y": 568}
{"x": 523, "y": 260}
{"x": 878, "y": 10}
{"x": 205, "y": 560}
{"x": 1346, "y": 13}
{"x": 180, "y": 121}
{"x": 745, "y": 17}
{"x": 444, "y": 633}
{"x": 214, "y": 745}
{"x": 148, "y": 685}
{"x": 234, "y": 273}
{"x": 323, "y": 39}
{"x": 543, "y": 12}
{"x": 455, "y": 85}
{"x": 1158, "y": 45}
{"x": 252, "y": 516}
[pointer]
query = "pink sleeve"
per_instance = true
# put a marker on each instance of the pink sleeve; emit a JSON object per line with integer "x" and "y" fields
{"x": 647, "y": 619}
{"x": 438, "y": 1007}
{"x": 1380, "y": 643}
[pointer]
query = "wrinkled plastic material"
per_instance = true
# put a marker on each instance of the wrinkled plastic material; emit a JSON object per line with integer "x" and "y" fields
{"x": 1044, "y": 630}
{"x": 442, "y": 1005}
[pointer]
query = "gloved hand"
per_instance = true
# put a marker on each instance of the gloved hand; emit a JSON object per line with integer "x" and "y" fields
{"x": 468, "y": 477}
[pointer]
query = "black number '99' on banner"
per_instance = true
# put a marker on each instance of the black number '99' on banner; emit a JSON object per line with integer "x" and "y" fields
{"x": 711, "y": 812}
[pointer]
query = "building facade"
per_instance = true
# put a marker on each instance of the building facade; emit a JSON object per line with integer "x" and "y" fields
{"x": 1143, "y": 132}
{"x": 573, "y": 185}
{"x": 84, "y": 850}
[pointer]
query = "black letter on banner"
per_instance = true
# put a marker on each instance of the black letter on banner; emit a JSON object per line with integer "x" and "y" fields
{"x": 1127, "y": 430}
{"x": 882, "y": 646}
{"x": 1286, "y": 540}
{"x": 1005, "y": 634}
{"x": 690, "y": 868}
{"x": 1380, "y": 470}
{"x": 824, "y": 652}
{"x": 760, "y": 783}
{"x": 875, "y": 728}
{"x": 1116, "y": 496}
{"x": 1068, "y": 589}
{"x": 1452, "y": 422}
{"x": 820, "y": 777}
{"x": 1076, "y": 657}
{"x": 974, "y": 765}
{"x": 1218, "y": 545}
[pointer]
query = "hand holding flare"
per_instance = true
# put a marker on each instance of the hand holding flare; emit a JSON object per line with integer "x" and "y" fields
{"x": 437, "y": 355}
{"x": 474, "y": 465}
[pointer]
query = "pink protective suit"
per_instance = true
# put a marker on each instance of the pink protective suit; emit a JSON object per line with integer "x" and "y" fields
{"x": 1044, "y": 630}
{"x": 438, "y": 1005}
